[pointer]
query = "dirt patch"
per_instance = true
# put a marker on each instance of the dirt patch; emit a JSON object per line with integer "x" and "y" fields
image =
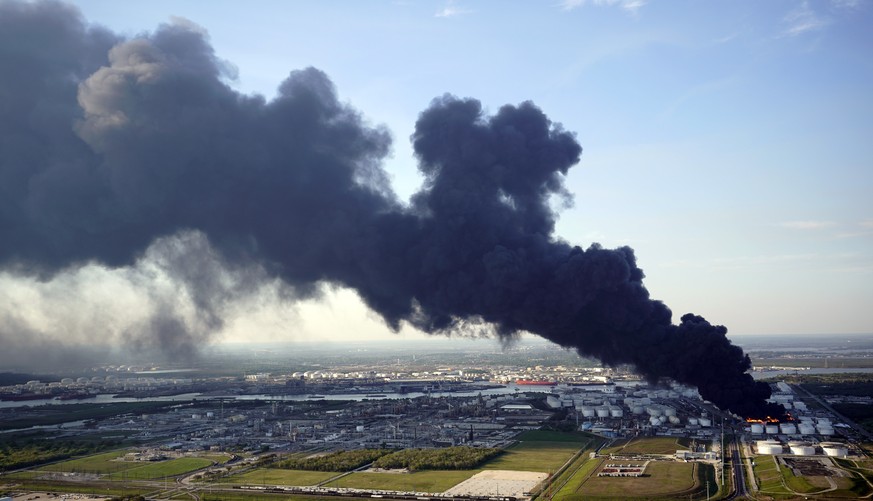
{"x": 498, "y": 483}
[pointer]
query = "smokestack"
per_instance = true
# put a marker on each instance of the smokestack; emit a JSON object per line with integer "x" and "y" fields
{"x": 110, "y": 145}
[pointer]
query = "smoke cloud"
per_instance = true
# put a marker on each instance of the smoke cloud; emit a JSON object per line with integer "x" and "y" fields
{"x": 115, "y": 150}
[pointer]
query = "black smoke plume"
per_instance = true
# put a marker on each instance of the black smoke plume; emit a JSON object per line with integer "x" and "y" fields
{"x": 109, "y": 144}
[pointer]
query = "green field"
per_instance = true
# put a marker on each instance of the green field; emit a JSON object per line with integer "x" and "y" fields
{"x": 98, "y": 463}
{"x": 769, "y": 477}
{"x": 542, "y": 451}
{"x": 275, "y": 476}
{"x": 648, "y": 445}
{"x": 420, "y": 481}
{"x": 152, "y": 471}
{"x": 663, "y": 479}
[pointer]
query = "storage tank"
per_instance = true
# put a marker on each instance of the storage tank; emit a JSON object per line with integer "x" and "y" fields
{"x": 801, "y": 449}
{"x": 705, "y": 422}
{"x": 638, "y": 409}
{"x": 359, "y": 428}
{"x": 662, "y": 419}
{"x": 772, "y": 429}
{"x": 673, "y": 419}
{"x": 669, "y": 411}
{"x": 588, "y": 411}
{"x": 616, "y": 412}
{"x": 806, "y": 429}
{"x": 654, "y": 410}
{"x": 693, "y": 421}
{"x": 603, "y": 412}
{"x": 825, "y": 430}
{"x": 654, "y": 421}
{"x": 835, "y": 449}
{"x": 787, "y": 428}
{"x": 769, "y": 447}
{"x": 757, "y": 429}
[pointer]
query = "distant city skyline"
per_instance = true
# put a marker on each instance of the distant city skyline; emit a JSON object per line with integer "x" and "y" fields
{"x": 728, "y": 143}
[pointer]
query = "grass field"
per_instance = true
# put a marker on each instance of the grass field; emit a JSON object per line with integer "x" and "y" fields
{"x": 648, "y": 445}
{"x": 542, "y": 451}
{"x": 96, "y": 488}
{"x": 663, "y": 479}
{"x": 420, "y": 481}
{"x": 171, "y": 468}
{"x": 769, "y": 477}
{"x": 98, "y": 463}
{"x": 275, "y": 476}
{"x": 573, "y": 487}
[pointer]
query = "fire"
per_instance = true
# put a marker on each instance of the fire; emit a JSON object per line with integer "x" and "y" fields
{"x": 770, "y": 419}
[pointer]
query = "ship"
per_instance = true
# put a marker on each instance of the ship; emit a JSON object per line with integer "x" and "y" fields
{"x": 530, "y": 382}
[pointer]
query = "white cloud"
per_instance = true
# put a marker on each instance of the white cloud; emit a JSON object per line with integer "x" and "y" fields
{"x": 631, "y": 6}
{"x": 846, "y": 4}
{"x": 803, "y": 19}
{"x": 807, "y": 225}
{"x": 451, "y": 10}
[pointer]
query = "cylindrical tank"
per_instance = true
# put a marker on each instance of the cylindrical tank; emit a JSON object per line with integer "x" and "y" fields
{"x": 616, "y": 412}
{"x": 662, "y": 419}
{"x": 603, "y": 412}
{"x": 806, "y": 429}
{"x": 693, "y": 421}
{"x": 787, "y": 428}
{"x": 757, "y": 428}
{"x": 769, "y": 447}
{"x": 669, "y": 411}
{"x": 588, "y": 411}
{"x": 705, "y": 422}
{"x": 653, "y": 410}
{"x": 673, "y": 419}
{"x": 772, "y": 429}
{"x": 825, "y": 430}
{"x": 638, "y": 409}
{"x": 359, "y": 428}
{"x": 801, "y": 449}
{"x": 834, "y": 449}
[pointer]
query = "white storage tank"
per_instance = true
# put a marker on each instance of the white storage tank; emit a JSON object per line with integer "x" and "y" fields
{"x": 654, "y": 410}
{"x": 359, "y": 428}
{"x": 757, "y": 429}
{"x": 800, "y": 406}
{"x": 616, "y": 412}
{"x": 787, "y": 428}
{"x": 654, "y": 421}
{"x": 638, "y": 409}
{"x": 674, "y": 419}
{"x": 806, "y": 429}
{"x": 669, "y": 411}
{"x": 835, "y": 449}
{"x": 588, "y": 411}
{"x": 769, "y": 447}
{"x": 825, "y": 430}
{"x": 603, "y": 412}
{"x": 705, "y": 422}
{"x": 693, "y": 421}
{"x": 801, "y": 449}
{"x": 772, "y": 429}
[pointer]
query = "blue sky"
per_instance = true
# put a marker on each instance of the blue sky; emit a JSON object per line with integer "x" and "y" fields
{"x": 730, "y": 143}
